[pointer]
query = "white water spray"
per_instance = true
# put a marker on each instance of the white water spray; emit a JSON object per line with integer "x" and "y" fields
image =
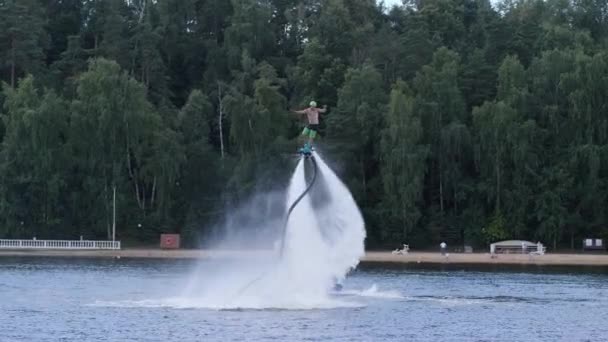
{"x": 325, "y": 233}
{"x": 324, "y": 240}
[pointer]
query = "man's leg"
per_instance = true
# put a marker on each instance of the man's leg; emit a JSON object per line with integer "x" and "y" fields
{"x": 305, "y": 134}
{"x": 302, "y": 139}
{"x": 311, "y": 137}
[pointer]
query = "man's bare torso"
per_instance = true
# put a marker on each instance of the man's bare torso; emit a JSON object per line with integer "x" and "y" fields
{"x": 313, "y": 115}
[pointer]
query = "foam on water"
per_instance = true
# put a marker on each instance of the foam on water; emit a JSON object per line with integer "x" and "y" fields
{"x": 185, "y": 303}
{"x": 373, "y": 292}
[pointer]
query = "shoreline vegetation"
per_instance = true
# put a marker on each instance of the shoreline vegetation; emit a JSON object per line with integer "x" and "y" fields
{"x": 557, "y": 259}
{"x": 460, "y": 120}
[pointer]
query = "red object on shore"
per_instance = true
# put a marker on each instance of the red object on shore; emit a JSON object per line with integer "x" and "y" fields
{"x": 169, "y": 241}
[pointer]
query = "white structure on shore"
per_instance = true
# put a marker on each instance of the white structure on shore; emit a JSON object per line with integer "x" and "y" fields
{"x": 58, "y": 244}
{"x": 517, "y": 246}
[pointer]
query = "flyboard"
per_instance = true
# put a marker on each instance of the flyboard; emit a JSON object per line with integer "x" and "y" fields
{"x": 307, "y": 153}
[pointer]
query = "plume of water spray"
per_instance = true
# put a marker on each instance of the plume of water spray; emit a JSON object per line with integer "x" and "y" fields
{"x": 324, "y": 239}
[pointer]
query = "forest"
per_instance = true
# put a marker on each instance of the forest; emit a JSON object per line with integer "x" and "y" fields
{"x": 465, "y": 121}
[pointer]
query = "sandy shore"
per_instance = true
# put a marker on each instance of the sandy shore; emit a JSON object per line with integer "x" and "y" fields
{"x": 370, "y": 257}
{"x": 484, "y": 258}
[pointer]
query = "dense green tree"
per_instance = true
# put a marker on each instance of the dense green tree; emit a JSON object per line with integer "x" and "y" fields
{"x": 249, "y": 32}
{"x": 147, "y": 63}
{"x": 506, "y": 153}
{"x": 181, "y": 46}
{"x": 353, "y": 131}
{"x": 34, "y": 161}
{"x": 119, "y": 143}
{"x": 445, "y": 20}
{"x": 64, "y": 21}
{"x": 343, "y": 27}
{"x": 403, "y": 164}
{"x": 22, "y": 38}
{"x": 317, "y": 75}
{"x": 591, "y": 15}
{"x": 439, "y": 103}
{"x": 200, "y": 169}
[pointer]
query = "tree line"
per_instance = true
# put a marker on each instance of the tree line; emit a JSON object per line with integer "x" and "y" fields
{"x": 465, "y": 121}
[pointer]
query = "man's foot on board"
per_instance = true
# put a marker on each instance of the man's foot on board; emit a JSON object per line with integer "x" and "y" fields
{"x": 306, "y": 150}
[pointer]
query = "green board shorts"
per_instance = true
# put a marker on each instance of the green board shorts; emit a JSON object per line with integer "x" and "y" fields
{"x": 311, "y": 131}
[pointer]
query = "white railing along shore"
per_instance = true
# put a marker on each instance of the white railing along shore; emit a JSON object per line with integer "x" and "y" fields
{"x": 58, "y": 244}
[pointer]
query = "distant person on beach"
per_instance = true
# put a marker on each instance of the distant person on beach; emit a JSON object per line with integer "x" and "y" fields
{"x": 443, "y": 246}
{"x": 312, "y": 115}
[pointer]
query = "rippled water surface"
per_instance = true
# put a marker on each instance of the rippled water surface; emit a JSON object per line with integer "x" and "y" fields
{"x": 142, "y": 300}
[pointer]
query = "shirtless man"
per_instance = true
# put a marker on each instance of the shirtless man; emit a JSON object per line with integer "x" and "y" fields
{"x": 312, "y": 114}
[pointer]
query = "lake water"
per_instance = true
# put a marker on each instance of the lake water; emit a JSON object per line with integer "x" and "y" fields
{"x": 135, "y": 300}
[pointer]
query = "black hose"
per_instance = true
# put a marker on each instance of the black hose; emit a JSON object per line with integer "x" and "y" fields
{"x": 289, "y": 211}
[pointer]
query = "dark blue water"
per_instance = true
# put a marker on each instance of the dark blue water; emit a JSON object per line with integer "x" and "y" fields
{"x": 124, "y": 300}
